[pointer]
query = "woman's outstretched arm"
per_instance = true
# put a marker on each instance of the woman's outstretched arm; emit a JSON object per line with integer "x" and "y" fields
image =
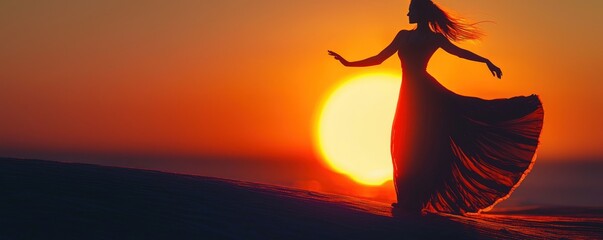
{"x": 466, "y": 54}
{"x": 374, "y": 60}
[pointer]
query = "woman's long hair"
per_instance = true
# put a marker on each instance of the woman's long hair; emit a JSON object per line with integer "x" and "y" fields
{"x": 440, "y": 21}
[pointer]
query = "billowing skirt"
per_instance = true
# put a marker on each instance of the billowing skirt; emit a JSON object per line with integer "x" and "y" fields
{"x": 458, "y": 154}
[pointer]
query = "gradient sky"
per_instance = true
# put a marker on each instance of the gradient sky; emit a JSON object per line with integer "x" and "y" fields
{"x": 246, "y": 78}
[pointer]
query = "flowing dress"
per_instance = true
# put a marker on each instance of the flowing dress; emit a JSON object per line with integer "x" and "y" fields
{"x": 454, "y": 153}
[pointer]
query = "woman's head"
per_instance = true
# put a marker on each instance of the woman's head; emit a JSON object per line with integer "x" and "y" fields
{"x": 419, "y": 11}
{"x": 426, "y": 11}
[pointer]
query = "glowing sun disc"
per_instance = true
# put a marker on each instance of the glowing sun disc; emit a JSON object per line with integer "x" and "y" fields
{"x": 354, "y": 128}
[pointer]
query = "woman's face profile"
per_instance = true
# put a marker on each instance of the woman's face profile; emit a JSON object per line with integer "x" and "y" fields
{"x": 412, "y": 14}
{"x": 411, "y": 17}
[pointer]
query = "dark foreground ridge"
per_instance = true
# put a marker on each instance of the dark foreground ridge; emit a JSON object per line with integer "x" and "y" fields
{"x": 51, "y": 200}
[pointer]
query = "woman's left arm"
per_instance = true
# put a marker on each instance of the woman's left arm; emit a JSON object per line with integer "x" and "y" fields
{"x": 466, "y": 54}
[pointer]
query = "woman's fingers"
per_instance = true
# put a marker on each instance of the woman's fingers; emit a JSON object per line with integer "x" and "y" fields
{"x": 335, "y": 55}
{"x": 496, "y": 72}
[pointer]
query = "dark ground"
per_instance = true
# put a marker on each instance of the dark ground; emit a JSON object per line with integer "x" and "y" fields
{"x": 51, "y": 200}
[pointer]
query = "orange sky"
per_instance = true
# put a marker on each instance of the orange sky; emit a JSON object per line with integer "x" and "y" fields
{"x": 245, "y": 78}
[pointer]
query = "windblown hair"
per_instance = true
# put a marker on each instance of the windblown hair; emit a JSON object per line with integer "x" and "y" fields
{"x": 440, "y": 21}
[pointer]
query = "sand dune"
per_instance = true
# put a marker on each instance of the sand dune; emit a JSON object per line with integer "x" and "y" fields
{"x": 50, "y": 200}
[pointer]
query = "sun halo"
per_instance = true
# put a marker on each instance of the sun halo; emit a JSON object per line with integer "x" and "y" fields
{"x": 353, "y": 128}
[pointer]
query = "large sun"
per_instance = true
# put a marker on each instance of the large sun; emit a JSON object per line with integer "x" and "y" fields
{"x": 353, "y": 128}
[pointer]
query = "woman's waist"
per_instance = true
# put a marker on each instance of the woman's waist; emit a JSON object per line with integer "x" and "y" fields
{"x": 421, "y": 82}
{"x": 416, "y": 74}
{"x": 414, "y": 66}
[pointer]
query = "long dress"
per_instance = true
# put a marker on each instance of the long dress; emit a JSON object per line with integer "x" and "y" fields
{"x": 454, "y": 153}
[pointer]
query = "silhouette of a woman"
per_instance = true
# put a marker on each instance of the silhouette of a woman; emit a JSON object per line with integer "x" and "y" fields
{"x": 452, "y": 153}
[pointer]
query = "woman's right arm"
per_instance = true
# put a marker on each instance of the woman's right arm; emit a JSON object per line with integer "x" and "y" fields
{"x": 374, "y": 60}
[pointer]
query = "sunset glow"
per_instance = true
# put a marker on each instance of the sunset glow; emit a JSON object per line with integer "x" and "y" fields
{"x": 354, "y": 128}
{"x": 235, "y": 89}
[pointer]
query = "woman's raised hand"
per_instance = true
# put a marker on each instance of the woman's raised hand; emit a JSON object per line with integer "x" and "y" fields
{"x": 338, "y": 57}
{"x": 494, "y": 70}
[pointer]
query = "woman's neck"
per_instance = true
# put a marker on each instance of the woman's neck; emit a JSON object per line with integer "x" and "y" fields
{"x": 423, "y": 27}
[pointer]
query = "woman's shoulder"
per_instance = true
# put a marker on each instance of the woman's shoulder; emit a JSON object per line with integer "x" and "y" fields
{"x": 403, "y": 33}
{"x": 431, "y": 35}
{"x": 410, "y": 31}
